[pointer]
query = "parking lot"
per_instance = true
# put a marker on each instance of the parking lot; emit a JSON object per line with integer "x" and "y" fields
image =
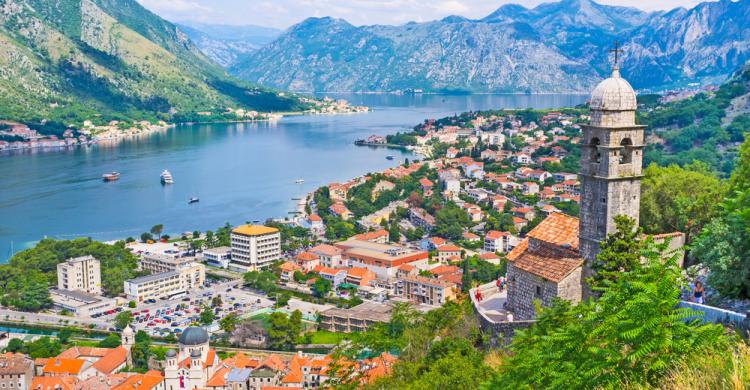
{"x": 163, "y": 317}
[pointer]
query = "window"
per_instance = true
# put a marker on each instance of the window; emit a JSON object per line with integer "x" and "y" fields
{"x": 595, "y": 155}
{"x": 626, "y": 157}
{"x": 538, "y": 291}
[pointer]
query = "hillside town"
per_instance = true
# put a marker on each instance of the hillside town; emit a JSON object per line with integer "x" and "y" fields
{"x": 508, "y": 209}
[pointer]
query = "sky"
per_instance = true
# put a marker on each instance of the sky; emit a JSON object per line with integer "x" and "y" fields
{"x": 284, "y": 13}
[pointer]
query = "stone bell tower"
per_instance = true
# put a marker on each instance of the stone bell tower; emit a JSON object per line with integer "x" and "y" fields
{"x": 611, "y": 164}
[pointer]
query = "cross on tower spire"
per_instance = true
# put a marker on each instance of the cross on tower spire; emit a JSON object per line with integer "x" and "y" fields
{"x": 616, "y": 50}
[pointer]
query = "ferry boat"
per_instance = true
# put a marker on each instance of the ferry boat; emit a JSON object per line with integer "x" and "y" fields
{"x": 193, "y": 200}
{"x": 166, "y": 177}
{"x": 112, "y": 176}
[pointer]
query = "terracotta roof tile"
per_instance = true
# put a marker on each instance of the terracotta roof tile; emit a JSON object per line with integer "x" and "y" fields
{"x": 63, "y": 366}
{"x": 557, "y": 229}
{"x": 113, "y": 359}
{"x": 551, "y": 264}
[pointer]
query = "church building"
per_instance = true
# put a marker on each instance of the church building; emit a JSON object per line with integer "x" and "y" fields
{"x": 555, "y": 258}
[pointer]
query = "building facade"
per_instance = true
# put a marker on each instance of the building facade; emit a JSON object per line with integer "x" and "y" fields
{"x": 157, "y": 263}
{"x": 16, "y": 371}
{"x": 421, "y": 289}
{"x": 80, "y": 274}
{"x": 254, "y": 247}
{"x": 166, "y": 284}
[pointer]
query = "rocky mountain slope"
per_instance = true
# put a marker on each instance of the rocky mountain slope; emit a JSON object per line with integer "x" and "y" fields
{"x": 554, "y": 47}
{"x": 70, "y": 60}
{"x": 224, "y": 44}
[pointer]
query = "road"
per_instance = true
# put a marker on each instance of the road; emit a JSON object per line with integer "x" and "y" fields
{"x": 51, "y": 319}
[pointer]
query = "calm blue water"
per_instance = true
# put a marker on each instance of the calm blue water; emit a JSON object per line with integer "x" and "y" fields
{"x": 241, "y": 172}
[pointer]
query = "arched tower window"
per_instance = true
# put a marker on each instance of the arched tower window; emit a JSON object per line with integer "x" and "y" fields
{"x": 595, "y": 155}
{"x": 626, "y": 156}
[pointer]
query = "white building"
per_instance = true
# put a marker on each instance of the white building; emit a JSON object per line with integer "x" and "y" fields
{"x": 166, "y": 284}
{"x": 80, "y": 303}
{"x": 157, "y": 263}
{"x": 80, "y": 274}
{"x": 218, "y": 257}
{"x": 254, "y": 247}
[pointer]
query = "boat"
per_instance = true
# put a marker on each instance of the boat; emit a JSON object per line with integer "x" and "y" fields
{"x": 166, "y": 177}
{"x": 389, "y": 157}
{"x": 112, "y": 176}
{"x": 299, "y": 181}
{"x": 193, "y": 200}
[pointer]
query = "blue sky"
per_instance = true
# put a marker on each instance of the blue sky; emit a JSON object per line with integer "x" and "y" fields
{"x": 284, "y": 13}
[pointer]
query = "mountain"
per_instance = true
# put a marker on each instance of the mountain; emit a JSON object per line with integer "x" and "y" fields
{"x": 71, "y": 60}
{"x": 454, "y": 54}
{"x": 554, "y": 47}
{"x": 224, "y": 43}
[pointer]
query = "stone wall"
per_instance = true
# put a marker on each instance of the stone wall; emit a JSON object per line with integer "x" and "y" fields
{"x": 500, "y": 333}
{"x": 524, "y": 288}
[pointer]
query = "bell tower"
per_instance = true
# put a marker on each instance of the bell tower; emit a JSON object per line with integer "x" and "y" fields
{"x": 611, "y": 163}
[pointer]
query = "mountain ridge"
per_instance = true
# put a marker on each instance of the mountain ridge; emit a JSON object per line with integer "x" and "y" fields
{"x": 563, "y": 38}
{"x": 73, "y": 60}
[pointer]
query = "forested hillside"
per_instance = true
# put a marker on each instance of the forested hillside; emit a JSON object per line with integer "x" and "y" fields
{"x": 707, "y": 127}
{"x": 72, "y": 60}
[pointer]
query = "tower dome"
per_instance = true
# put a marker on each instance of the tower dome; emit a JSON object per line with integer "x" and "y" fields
{"x": 193, "y": 335}
{"x": 614, "y": 94}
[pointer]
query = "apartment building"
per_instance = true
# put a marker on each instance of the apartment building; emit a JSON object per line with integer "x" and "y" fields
{"x": 16, "y": 371}
{"x": 80, "y": 274}
{"x": 382, "y": 259}
{"x": 356, "y": 319}
{"x": 420, "y": 289}
{"x": 157, "y": 263}
{"x": 254, "y": 247}
{"x": 166, "y": 284}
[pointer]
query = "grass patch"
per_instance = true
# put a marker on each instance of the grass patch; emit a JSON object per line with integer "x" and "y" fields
{"x": 324, "y": 337}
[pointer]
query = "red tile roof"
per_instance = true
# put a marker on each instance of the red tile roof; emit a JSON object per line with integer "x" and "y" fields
{"x": 63, "y": 366}
{"x": 116, "y": 357}
{"x": 307, "y": 256}
{"x": 557, "y": 229}
{"x": 449, "y": 248}
{"x": 553, "y": 264}
{"x": 494, "y": 234}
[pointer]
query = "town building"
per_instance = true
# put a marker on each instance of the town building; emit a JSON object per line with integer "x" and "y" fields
{"x": 421, "y": 289}
{"x": 166, "y": 284}
{"x": 381, "y": 259}
{"x": 80, "y": 274}
{"x": 448, "y": 253}
{"x": 157, "y": 263}
{"x": 421, "y": 218}
{"x": 254, "y": 247}
{"x": 307, "y": 261}
{"x": 193, "y": 363}
{"x": 330, "y": 256}
{"x": 496, "y": 241}
{"x": 80, "y": 303}
{"x": 218, "y": 257}
{"x": 16, "y": 371}
{"x": 355, "y": 319}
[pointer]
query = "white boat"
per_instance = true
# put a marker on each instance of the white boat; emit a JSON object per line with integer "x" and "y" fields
{"x": 166, "y": 177}
{"x": 194, "y": 199}
{"x": 299, "y": 181}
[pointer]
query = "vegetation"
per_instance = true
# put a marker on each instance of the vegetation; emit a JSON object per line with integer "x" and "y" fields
{"x": 633, "y": 334}
{"x": 682, "y": 199}
{"x": 123, "y": 319}
{"x": 692, "y": 129}
{"x": 724, "y": 243}
{"x": 283, "y": 330}
{"x": 25, "y": 278}
{"x": 42, "y": 347}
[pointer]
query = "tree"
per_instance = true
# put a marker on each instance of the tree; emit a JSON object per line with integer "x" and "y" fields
{"x": 229, "y": 322}
{"x": 280, "y": 332}
{"x": 111, "y": 341}
{"x": 263, "y": 280}
{"x": 321, "y": 287}
{"x": 394, "y": 233}
{"x": 64, "y": 335}
{"x": 295, "y": 324}
{"x": 141, "y": 351}
{"x": 146, "y": 237}
{"x": 207, "y": 316}
{"x": 216, "y": 301}
{"x": 619, "y": 252}
{"x": 14, "y": 345}
{"x": 632, "y": 334}
{"x": 724, "y": 244}
{"x": 123, "y": 319}
{"x": 132, "y": 304}
{"x": 679, "y": 199}
{"x": 156, "y": 230}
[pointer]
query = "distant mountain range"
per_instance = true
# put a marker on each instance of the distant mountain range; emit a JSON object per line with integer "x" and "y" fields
{"x": 68, "y": 60}
{"x": 555, "y": 47}
{"x": 224, "y": 43}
